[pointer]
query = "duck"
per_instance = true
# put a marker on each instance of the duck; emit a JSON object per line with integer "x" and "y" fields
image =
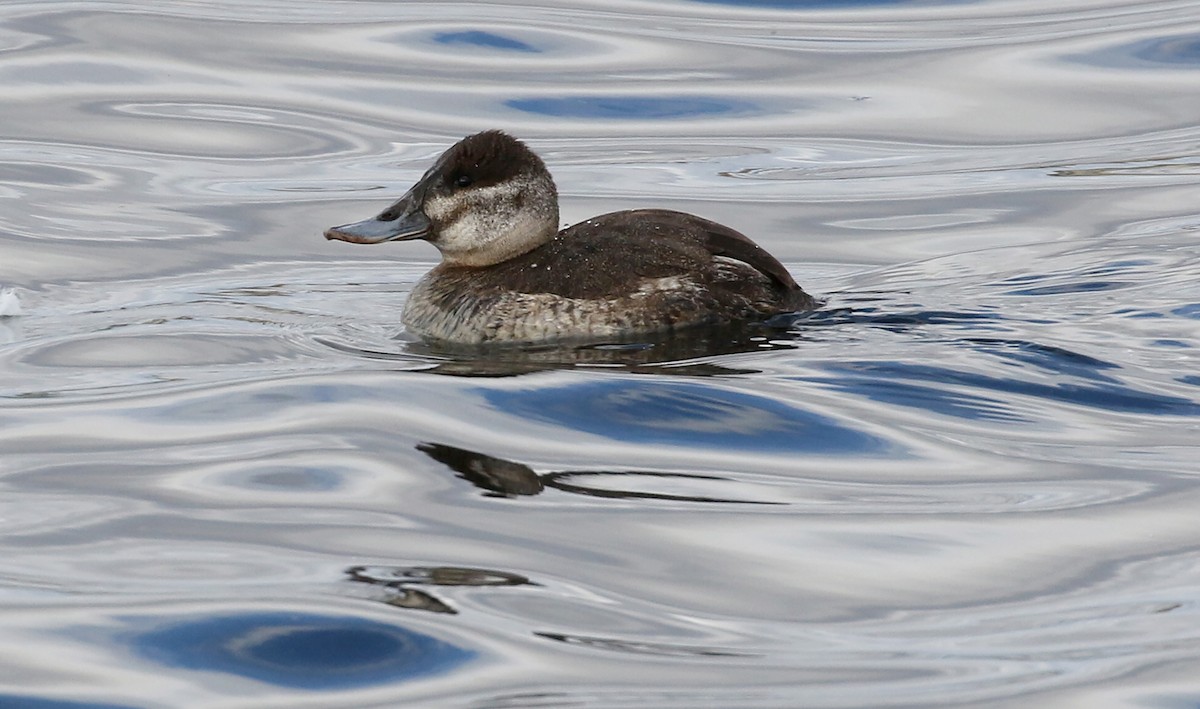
{"x": 509, "y": 275}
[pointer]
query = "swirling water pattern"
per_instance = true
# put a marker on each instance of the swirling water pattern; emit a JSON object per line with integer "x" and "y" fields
{"x": 230, "y": 478}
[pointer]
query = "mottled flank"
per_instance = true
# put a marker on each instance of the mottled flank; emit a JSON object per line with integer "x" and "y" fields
{"x": 507, "y": 276}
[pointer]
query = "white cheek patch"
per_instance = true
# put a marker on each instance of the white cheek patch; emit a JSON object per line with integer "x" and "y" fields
{"x": 466, "y": 233}
{"x": 436, "y": 208}
{"x": 486, "y": 224}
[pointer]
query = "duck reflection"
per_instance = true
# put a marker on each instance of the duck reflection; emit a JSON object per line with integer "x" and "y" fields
{"x": 681, "y": 353}
{"x": 689, "y": 352}
{"x": 498, "y": 477}
{"x": 658, "y": 354}
{"x": 400, "y": 583}
{"x": 639, "y": 647}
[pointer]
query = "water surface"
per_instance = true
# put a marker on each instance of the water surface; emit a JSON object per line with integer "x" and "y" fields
{"x": 231, "y": 478}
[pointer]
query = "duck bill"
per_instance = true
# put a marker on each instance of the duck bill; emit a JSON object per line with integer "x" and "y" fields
{"x": 407, "y": 222}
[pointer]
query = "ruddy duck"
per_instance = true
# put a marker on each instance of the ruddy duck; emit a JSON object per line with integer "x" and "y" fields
{"x": 508, "y": 275}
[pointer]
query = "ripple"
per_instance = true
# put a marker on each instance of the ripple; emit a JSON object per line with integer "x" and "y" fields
{"x": 165, "y": 350}
{"x": 80, "y": 207}
{"x": 284, "y": 473}
{"x": 74, "y": 72}
{"x": 20, "y": 701}
{"x": 1059, "y": 360}
{"x": 114, "y": 565}
{"x": 213, "y": 130}
{"x": 935, "y": 399}
{"x": 53, "y": 513}
{"x": 233, "y": 324}
{"x": 34, "y": 174}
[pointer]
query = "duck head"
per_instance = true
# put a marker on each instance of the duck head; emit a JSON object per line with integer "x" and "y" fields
{"x": 486, "y": 199}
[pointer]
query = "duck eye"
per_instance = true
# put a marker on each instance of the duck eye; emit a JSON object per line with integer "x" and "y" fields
{"x": 463, "y": 181}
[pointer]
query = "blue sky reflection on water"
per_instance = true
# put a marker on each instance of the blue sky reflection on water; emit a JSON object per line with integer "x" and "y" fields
{"x": 1172, "y": 52}
{"x": 634, "y": 107}
{"x": 481, "y": 38}
{"x": 878, "y": 380}
{"x": 686, "y": 414}
{"x": 298, "y": 650}
{"x": 1183, "y": 51}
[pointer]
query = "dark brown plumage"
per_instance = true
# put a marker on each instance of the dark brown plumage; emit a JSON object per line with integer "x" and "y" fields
{"x": 635, "y": 244}
{"x": 485, "y": 159}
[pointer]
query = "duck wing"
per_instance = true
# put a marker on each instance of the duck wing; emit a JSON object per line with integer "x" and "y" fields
{"x": 716, "y": 239}
{"x": 720, "y": 240}
{"x": 601, "y": 254}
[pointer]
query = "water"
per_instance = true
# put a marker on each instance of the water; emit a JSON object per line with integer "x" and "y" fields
{"x": 230, "y": 479}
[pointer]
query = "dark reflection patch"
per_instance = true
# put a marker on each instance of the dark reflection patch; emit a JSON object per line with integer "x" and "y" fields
{"x": 1171, "y": 50}
{"x": 685, "y": 414}
{"x": 401, "y": 583}
{"x": 633, "y": 107}
{"x": 584, "y": 482}
{"x": 498, "y": 477}
{"x": 1051, "y": 358}
{"x": 928, "y": 398}
{"x": 690, "y": 352}
{"x": 480, "y": 38}
{"x": 933, "y": 388}
{"x": 1074, "y": 287}
{"x": 636, "y": 647}
{"x": 300, "y": 650}
{"x": 288, "y": 479}
{"x": 1191, "y": 311}
{"x": 435, "y": 576}
{"x": 1176, "y": 52}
